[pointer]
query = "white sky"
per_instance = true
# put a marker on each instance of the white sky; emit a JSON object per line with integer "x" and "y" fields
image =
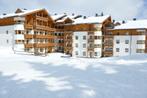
{"x": 118, "y": 9}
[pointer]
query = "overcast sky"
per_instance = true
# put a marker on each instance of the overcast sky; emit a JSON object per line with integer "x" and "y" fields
{"x": 118, "y": 9}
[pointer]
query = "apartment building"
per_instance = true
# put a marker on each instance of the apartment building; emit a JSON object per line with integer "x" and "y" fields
{"x": 129, "y": 38}
{"x": 31, "y": 31}
{"x": 84, "y": 37}
{"x": 60, "y": 22}
{"x": 38, "y": 32}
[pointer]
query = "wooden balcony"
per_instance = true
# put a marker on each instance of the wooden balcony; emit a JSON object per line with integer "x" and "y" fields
{"x": 44, "y": 36}
{"x": 43, "y": 45}
{"x": 90, "y": 48}
{"x": 60, "y": 44}
{"x": 90, "y": 40}
{"x": 29, "y": 36}
{"x": 59, "y": 37}
{"x": 42, "y": 18}
{"x": 41, "y": 27}
{"x": 29, "y": 45}
{"x": 28, "y": 26}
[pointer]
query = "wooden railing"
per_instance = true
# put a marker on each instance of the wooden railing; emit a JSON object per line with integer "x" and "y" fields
{"x": 44, "y": 36}
{"x": 29, "y": 36}
{"x": 42, "y": 18}
{"x": 29, "y": 45}
{"x": 43, "y": 45}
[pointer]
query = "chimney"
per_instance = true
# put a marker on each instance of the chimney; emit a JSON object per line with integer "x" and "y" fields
{"x": 96, "y": 15}
{"x": 4, "y": 14}
{"x": 24, "y": 9}
{"x": 123, "y": 22}
{"x": 113, "y": 21}
{"x": 134, "y": 19}
{"x": 102, "y": 14}
{"x": 84, "y": 17}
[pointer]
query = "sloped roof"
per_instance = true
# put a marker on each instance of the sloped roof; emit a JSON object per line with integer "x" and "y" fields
{"x": 72, "y": 17}
{"x": 99, "y": 19}
{"x": 24, "y": 12}
{"x": 133, "y": 24}
{"x": 58, "y": 16}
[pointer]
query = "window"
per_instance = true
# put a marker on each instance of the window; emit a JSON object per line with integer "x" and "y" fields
{"x": 117, "y": 49}
{"x": 109, "y": 49}
{"x": 76, "y": 53}
{"x": 91, "y": 37}
{"x": 140, "y": 42}
{"x": 140, "y": 50}
{"x": 96, "y": 54}
{"x": 41, "y": 49}
{"x": 7, "y": 32}
{"x": 76, "y": 45}
{"x": 76, "y": 37}
{"x": 7, "y": 41}
{"x": 97, "y": 45}
{"x": 117, "y": 41}
{"x": 84, "y": 45}
{"x": 126, "y": 50}
{"x": 90, "y": 45}
{"x": 97, "y": 37}
{"x": 84, "y": 37}
{"x": 84, "y": 53}
{"x": 126, "y": 41}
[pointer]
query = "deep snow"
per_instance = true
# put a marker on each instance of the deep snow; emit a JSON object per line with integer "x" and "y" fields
{"x": 28, "y": 76}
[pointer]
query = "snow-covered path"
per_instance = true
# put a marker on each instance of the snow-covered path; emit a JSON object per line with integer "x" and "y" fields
{"x": 27, "y": 76}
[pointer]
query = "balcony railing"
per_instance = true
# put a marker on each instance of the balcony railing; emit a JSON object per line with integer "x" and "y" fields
{"x": 42, "y": 18}
{"x": 43, "y": 45}
{"x": 28, "y": 26}
{"x": 29, "y": 36}
{"x": 44, "y": 36}
{"x": 29, "y": 45}
{"x": 41, "y": 27}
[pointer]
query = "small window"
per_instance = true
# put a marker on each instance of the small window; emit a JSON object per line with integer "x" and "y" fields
{"x": 7, "y": 32}
{"x": 84, "y": 37}
{"x": 96, "y": 53}
{"x": 76, "y": 37}
{"x": 76, "y": 45}
{"x": 126, "y": 41}
{"x": 76, "y": 53}
{"x": 117, "y": 49}
{"x": 7, "y": 41}
{"x": 41, "y": 50}
{"x": 91, "y": 37}
{"x": 140, "y": 42}
{"x": 84, "y": 53}
{"x": 117, "y": 41}
{"x": 140, "y": 50}
{"x": 126, "y": 50}
{"x": 84, "y": 45}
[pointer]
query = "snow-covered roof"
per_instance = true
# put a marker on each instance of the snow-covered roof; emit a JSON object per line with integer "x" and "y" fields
{"x": 24, "y": 12}
{"x": 133, "y": 24}
{"x": 58, "y": 16}
{"x": 93, "y": 19}
{"x": 72, "y": 17}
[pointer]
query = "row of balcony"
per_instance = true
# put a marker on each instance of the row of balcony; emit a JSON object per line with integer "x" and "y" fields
{"x": 39, "y": 45}
{"x": 31, "y": 36}
{"x": 41, "y": 27}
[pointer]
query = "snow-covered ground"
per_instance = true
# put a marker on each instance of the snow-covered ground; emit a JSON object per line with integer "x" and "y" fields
{"x": 28, "y": 76}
